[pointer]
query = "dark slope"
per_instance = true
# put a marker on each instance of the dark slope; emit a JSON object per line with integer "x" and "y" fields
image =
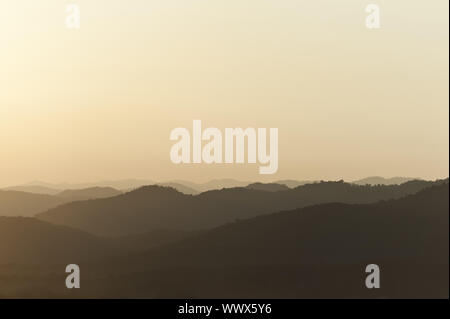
{"x": 410, "y": 229}
{"x": 318, "y": 251}
{"x": 154, "y": 207}
{"x": 18, "y": 203}
{"x": 268, "y": 187}
{"x": 31, "y": 241}
{"x": 291, "y": 183}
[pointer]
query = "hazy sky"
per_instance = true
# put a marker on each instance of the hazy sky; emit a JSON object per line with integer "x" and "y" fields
{"x": 100, "y": 102}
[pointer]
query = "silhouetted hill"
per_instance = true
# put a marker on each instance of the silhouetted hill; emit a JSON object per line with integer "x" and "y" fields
{"x": 213, "y": 184}
{"x": 411, "y": 229}
{"x": 88, "y": 193}
{"x": 186, "y": 187}
{"x": 268, "y": 187}
{"x": 378, "y": 180}
{"x": 14, "y": 203}
{"x": 31, "y": 241}
{"x": 146, "y": 241}
{"x": 154, "y": 207}
{"x": 181, "y": 188}
{"x": 294, "y": 183}
{"x": 318, "y": 251}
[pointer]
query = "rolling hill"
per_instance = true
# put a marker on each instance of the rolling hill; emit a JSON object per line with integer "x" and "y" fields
{"x": 155, "y": 207}
{"x": 378, "y": 180}
{"x": 214, "y": 184}
{"x": 410, "y": 229}
{"x": 15, "y": 203}
{"x": 319, "y": 251}
{"x": 291, "y": 183}
{"x": 34, "y": 189}
{"x": 268, "y": 187}
{"x": 30, "y": 241}
{"x": 181, "y": 188}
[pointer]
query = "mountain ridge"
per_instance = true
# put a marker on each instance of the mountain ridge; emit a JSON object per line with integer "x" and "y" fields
{"x": 159, "y": 207}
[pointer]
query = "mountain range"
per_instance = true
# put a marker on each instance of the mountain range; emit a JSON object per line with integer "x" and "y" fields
{"x": 378, "y": 180}
{"x": 19, "y": 203}
{"x": 155, "y": 207}
{"x": 183, "y": 186}
{"x": 316, "y": 251}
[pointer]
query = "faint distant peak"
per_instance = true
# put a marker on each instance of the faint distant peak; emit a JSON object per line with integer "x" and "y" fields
{"x": 379, "y": 180}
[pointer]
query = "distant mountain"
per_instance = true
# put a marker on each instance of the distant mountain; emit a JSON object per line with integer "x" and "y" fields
{"x": 14, "y": 203}
{"x": 31, "y": 241}
{"x": 186, "y": 187}
{"x": 181, "y": 188}
{"x": 150, "y": 240}
{"x": 34, "y": 189}
{"x": 123, "y": 184}
{"x": 213, "y": 184}
{"x": 378, "y": 180}
{"x": 156, "y": 207}
{"x": 88, "y": 193}
{"x": 268, "y": 187}
{"x": 293, "y": 183}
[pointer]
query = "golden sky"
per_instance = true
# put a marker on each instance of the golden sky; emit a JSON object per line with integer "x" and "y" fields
{"x": 99, "y": 102}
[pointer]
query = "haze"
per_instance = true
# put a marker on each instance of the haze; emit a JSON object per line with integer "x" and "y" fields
{"x": 99, "y": 103}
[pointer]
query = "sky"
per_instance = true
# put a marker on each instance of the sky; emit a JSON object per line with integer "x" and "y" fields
{"x": 99, "y": 103}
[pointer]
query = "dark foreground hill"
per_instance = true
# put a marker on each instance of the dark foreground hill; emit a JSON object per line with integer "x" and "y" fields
{"x": 30, "y": 241}
{"x": 155, "y": 207}
{"x": 318, "y": 251}
{"x": 412, "y": 229}
{"x": 181, "y": 188}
